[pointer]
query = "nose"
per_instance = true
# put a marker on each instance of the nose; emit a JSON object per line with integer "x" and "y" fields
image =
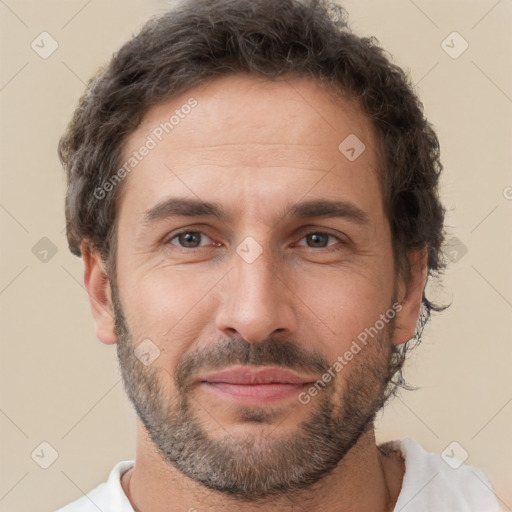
{"x": 256, "y": 301}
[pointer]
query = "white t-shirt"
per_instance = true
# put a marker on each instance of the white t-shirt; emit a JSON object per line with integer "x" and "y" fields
{"x": 429, "y": 485}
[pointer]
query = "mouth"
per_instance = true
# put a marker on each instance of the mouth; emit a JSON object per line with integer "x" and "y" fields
{"x": 255, "y": 385}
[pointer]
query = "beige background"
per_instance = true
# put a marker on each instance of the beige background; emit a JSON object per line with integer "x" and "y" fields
{"x": 60, "y": 385}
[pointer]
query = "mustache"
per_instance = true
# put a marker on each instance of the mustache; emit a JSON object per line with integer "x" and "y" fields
{"x": 237, "y": 351}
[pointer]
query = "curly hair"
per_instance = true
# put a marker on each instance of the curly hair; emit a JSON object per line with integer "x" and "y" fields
{"x": 199, "y": 40}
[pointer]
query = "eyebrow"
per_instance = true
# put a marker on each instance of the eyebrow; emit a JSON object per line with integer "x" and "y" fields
{"x": 175, "y": 206}
{"x": 329, "y": 208}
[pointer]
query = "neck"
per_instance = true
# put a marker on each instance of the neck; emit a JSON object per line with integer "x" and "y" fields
{"x": 364, "y": 480}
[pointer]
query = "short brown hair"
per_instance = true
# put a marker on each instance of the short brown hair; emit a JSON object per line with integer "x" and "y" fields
{"x": 200, "y": 40}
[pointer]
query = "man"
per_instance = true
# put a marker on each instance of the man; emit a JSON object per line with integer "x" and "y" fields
{"x": 253, "y": 191}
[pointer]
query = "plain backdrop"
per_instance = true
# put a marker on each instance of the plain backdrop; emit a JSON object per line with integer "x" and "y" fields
{"x": 61, "y": 386}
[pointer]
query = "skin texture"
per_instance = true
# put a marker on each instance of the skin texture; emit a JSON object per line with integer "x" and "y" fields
{"x": 255, "y": 148}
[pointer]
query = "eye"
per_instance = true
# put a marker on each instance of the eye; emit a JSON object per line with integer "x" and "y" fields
{"x": 190, "y": 239}
{"x": 318, "y": 240}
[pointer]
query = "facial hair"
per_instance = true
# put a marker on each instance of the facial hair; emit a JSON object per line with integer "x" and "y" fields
{"x": 255, "y": 468}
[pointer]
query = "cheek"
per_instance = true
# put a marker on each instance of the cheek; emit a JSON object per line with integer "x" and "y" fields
{"x": 343, "y": 303}
{"x": 168, "y": 305}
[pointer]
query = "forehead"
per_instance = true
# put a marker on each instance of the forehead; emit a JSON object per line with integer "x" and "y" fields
{"x": 245, "y": 132}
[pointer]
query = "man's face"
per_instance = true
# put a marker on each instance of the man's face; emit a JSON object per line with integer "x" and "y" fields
{"x": 270, "y": 280}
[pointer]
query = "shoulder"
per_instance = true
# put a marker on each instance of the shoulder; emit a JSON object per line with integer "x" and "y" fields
{"x": 440, "y": 482}
{"x": 108, "y": 495}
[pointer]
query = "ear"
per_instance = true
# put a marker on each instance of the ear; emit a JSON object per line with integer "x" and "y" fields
{"x": 411, "y": 292}
{"x": 98, "y": 288}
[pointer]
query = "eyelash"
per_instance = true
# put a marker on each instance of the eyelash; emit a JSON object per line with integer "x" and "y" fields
{"x": 176, "y": 235}
{"x": 328, "y": 248}
{"x": 304, "y": 235}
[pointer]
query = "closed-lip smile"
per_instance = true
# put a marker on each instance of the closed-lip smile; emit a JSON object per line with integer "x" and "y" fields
{"x": 255, "y": 385}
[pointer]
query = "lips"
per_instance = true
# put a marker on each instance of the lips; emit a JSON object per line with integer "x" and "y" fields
{"x": 246, "y": 376}
{"x": 255, "y": 386}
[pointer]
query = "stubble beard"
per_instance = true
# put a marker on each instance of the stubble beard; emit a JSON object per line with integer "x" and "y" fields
{"x": 254, "y": 468}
